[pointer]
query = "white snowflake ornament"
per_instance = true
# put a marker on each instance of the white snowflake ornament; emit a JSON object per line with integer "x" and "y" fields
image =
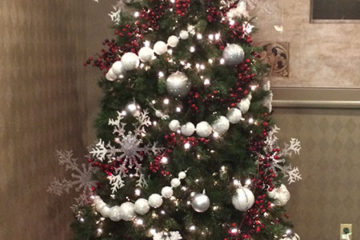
{"x": 115, "y": 15}
{"x": 128, "y": 149}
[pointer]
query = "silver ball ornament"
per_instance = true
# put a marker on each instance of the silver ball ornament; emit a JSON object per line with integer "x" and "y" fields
{"x": 105, "y": 211}
{"x": 173, "y": 41}
{"x": 114, "y": 214}
{"x": 243, "y": 199}
{"x": 200, "y": 203}
{"x": 221, "y": 125}
{"x": 117, "y": 68}
{"x": 167, "y": 192}
{"x": 110, "y": 75}
{"x": 146, "y": 54}
{"x": 174, "y": 125}
{"x": 203, "y": 129}
{"x": 155, "y": 200}
{"x": 234, "y": 115}
{"x": 130, "y": 61}
{"x": 160, "y": 48}
{"x": 142, "y": 206}
{"x": 133, "y": 108}
{"x": 188, "y": 129}
{"x": 233, "y": 54}
{"x": 178, "y": 84}
{"x": 127, "y": 211}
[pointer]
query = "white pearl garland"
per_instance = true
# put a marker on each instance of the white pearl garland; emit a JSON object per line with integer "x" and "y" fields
{"x": 219, "y": 127}
{"x": 127, "y": 211}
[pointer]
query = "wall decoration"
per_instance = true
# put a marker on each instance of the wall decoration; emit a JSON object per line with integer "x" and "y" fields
{"x": 276, "y": 54}
{"x": 335, "y": 10}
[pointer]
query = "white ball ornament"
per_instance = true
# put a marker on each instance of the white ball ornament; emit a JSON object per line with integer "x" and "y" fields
{"x": 174, "y": 125}
{"x": 184, "y": 35}
{"x": 281, "y": 195}
{"x": 146, "y": 54}
{"x": 99, "y": 205}
{"x": 105, "y": 211}
{"x": 110, "y": 75}
{"x": 234, "y": 115}
{"x": 117, "y": 68}
{"x": 127, "y": 211}
{"x": 130, "y": 61}
{"x": 115, "y": 214}
{"x": 155, "y": 200}
{"x": 182, "y": 175}
{"x": 203, "y": 129}
{"x": 175, "y": 182}
{"x": 243, "y": 199}
{"x": 233, "y": 54}
{"x": 160, "y": 48}
{"x": 142, "y": 206}
{"x": 221, "y": 125}
{"x": 173, "y": 41}
{"x": 200, "y": 203}
{"x": 244, "y": 105}
{"x": 188, "y": 129}
{"x": 167, "y": 192}
{"x": 178, "y": 84}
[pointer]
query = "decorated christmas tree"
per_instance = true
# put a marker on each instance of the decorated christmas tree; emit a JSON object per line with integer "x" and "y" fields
{"x": 187, "y": 148}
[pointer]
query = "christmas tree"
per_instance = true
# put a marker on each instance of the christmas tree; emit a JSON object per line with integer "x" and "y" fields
{"x": 187, "y": 148}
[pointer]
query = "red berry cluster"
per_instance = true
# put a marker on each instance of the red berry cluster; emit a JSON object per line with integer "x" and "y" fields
{"x": 106, "y": 58}
{"x": 131, "y": 36}
{"x": 213, "y": 14}
{"x": 252, "y": 218}
{"x": 149, "y": 17}
{"x": 236, "y": 32}
{"x": 156, "y": 165}
{"x": 182, "y": 7}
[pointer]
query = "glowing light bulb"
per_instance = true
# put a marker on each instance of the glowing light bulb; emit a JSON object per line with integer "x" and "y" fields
{"x": 211, "y": 61}
{"x": 166, "y": 101}
{"x": 199, "y": 36}
{"x": 136, "y": 14}
{"x": 247, "y": 182}
{"x": 222, "y": 61}
{"x": 147, "y": 43}
{"x": 161, "y": 74}
{"x": 211, "y": 37}
{"x": 187, "y": 145}
{"x": 207, "y": 82}
{"x": 217, "y": 36}
{"x": 251, "y": 121}
{"x": 192, "y": 228}
{"x": 178, "y": 109}
{"x": 137, "y": 192}
{"x": 192, "y": 49}
{"x": 164, "y": 160}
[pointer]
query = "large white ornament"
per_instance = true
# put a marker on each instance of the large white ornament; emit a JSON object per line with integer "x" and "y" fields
{"x": 142, "y": 206}
{"x": 146, "y": 54}
{"x": 130, "y": 61}
{"x": 182, "y": 175}
{"x": 127, "y": 211}
{"x": 155, "y": 200}
{"x": 244, "y": 105}
{"x": 233, "y": 54}
{"x": 234, "y": 115}
{"x": 174, "y": 125}
{"x": 239, "y": 11}
{"x": 178, "y": 84}
{"x": 160, "y": 48}
{"x": 184, "y": 35}
{"x": 203, "y": 129}
{"x": 200, "y": 203}
{"x": 281, "y": 195}
{"x": 188, "y": 129}
{"x": 221, "y": 125}
{"x": 115, "y": 214}
{"x": 110, "y": 75}
{"x": 243, "y": 199}
{"x": 173, "y": 41}
{"x": 167, "y": 192}
{"x": 117, "y": 68}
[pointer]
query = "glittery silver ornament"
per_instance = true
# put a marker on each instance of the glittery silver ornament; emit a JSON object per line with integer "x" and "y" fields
{"x": 233, "y": 54}
{"x": 203, "y": 129}
{"x": 141, "y": 206}
{"x": 146, "y": 54}
{"x": 173, "y": 41}
{"x": 117, "y": 68}
{"x": 178, "y": 84}
{"x": 167, "y": 192}
{"x": 188, "y": 129}
{"x": 110, "y": 75}
{"x": 127, "y": 211}
{"x": 160, "y": 48}
{"x": 234, "y": 115}
{"x": 243, "y": 199}
{"x": 174, "y": 125}
{"x": 244, "y": 105}
{"x": 200, "y": 203}
{"x": 155, "y": 200}
{"x": 115, "y": 214}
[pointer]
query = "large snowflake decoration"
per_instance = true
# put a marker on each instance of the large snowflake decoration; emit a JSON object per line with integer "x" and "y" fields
{"x": 277, "y": 156}
{"x": 175, "y": 235}
{"x": 81, "y": 178}
{"x": 127, "y": 149}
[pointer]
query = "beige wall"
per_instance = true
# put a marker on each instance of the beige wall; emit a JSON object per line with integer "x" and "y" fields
{"x": 330, "y": 166}
{"x": 41, "y": 110}
{"x": 321, "y": 55}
